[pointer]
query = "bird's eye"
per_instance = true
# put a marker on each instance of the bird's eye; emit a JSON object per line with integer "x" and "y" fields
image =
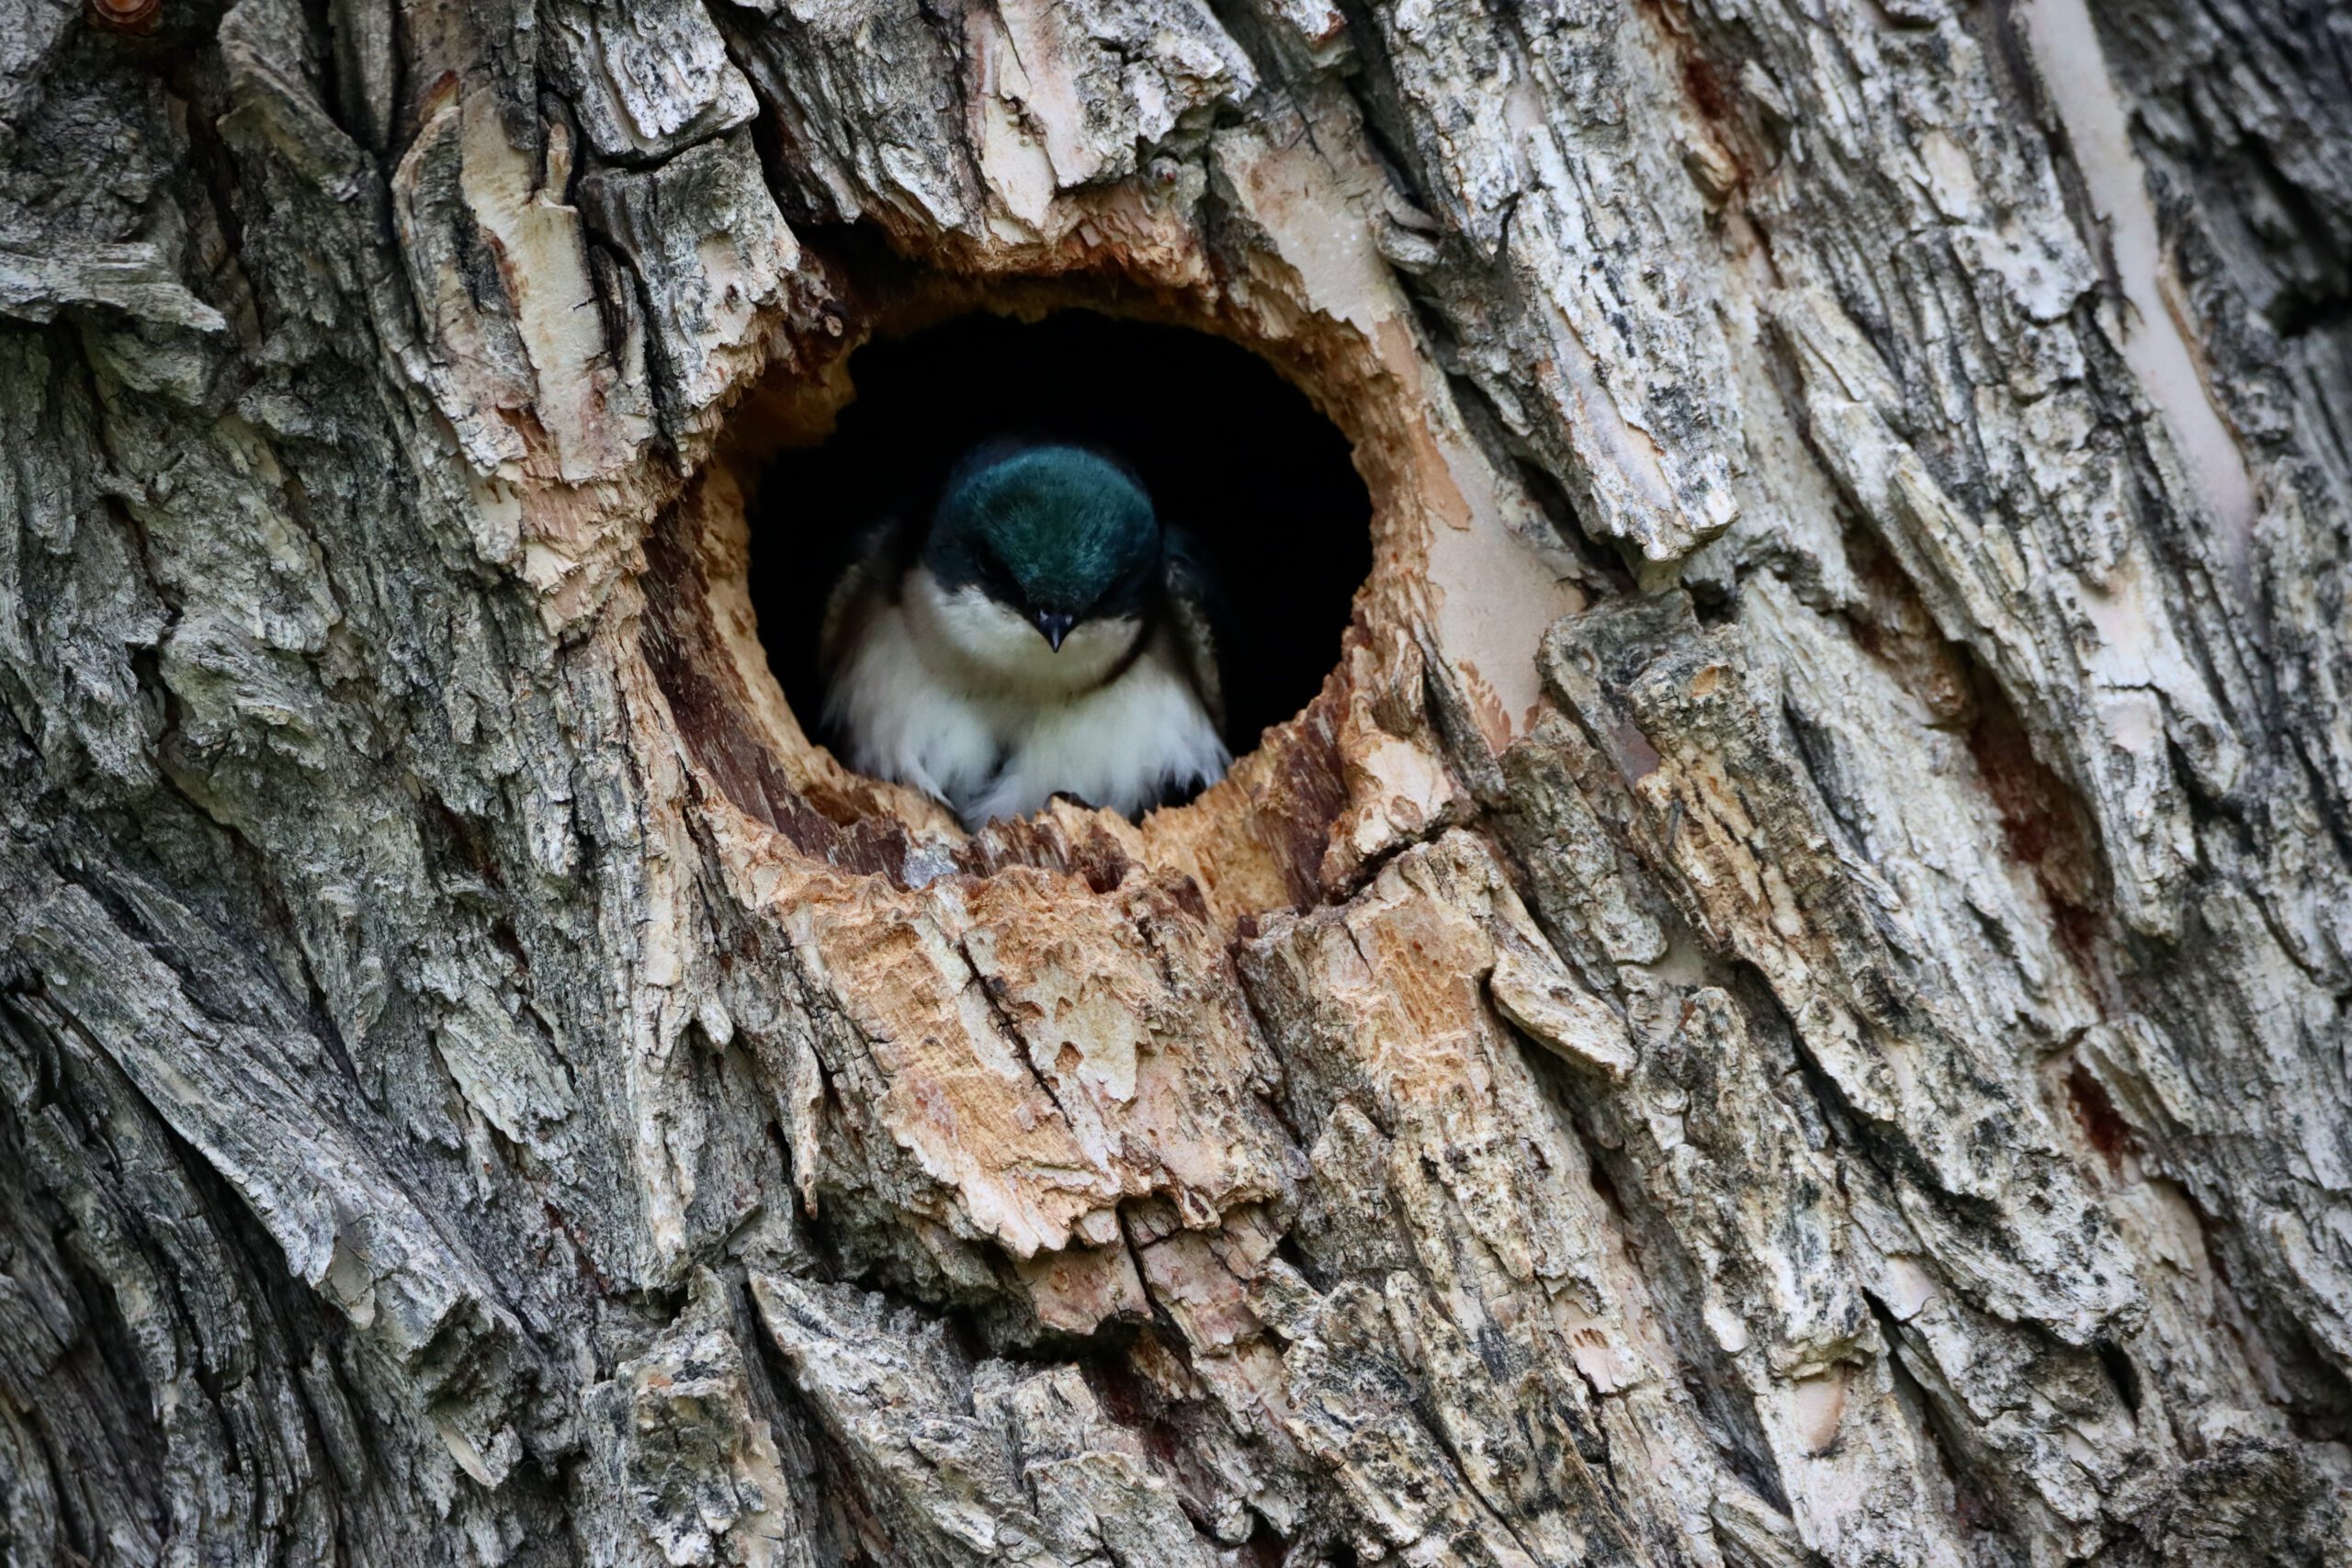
{"x": 998, "y": 578}
{"x": 1127, "y": 590}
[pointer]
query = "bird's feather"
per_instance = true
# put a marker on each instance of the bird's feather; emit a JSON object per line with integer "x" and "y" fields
{"x": 1192, "y": 612}
{"x": 935, "y": 679}
{"x": 878, "y": 558}
{"x": 1128, "y": 744}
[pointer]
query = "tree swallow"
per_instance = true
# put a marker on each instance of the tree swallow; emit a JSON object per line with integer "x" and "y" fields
{"x": 1045, "y": 635}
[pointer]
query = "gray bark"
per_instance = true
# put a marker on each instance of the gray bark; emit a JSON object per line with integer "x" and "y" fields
{"x": 1785, "y": 1004}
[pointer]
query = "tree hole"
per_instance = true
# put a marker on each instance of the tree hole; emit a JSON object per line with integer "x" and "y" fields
{"x": 1229, "y": 451}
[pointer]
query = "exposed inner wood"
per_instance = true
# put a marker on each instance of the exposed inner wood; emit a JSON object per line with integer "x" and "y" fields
{"x": 1317, "y": 798}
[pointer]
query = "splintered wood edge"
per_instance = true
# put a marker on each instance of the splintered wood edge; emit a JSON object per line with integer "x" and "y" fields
{"x": 1301, "y": 816}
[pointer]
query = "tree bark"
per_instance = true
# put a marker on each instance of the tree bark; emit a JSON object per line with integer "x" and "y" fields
{"x": 1784, "y": 1005}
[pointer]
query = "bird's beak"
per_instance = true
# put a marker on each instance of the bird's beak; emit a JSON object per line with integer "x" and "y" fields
{"x": 1055, "y": 624}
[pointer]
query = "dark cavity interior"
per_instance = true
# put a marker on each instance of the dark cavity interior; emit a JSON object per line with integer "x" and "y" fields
{"x": 1230, "y": 451}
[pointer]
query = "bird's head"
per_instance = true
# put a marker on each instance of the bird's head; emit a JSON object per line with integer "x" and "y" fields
{"x": 1041, "y": 561}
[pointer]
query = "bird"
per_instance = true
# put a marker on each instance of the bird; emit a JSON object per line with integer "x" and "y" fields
{"x": 1042, "y": 632}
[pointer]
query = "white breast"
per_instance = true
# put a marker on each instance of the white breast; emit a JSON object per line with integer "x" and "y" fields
{"x": 990, "y": 719}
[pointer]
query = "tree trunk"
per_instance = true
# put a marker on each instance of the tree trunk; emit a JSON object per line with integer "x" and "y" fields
{"x": 1784, "y": 1005}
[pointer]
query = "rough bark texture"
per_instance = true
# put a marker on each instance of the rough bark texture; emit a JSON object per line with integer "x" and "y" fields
{"x": 1785, "y": 1005}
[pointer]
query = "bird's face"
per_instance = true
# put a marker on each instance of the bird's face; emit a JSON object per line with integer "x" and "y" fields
{"x": 1039, "y": 565}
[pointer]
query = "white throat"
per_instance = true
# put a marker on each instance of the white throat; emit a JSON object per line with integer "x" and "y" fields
{"x": 969, "y": 639}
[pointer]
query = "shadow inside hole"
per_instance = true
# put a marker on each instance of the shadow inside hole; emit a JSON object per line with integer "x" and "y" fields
{"x": 1230, "y": 452}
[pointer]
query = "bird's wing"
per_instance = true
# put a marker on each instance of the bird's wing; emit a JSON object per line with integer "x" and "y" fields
{"x": 1191, "y": 611}
{"x": 878, "y": 558}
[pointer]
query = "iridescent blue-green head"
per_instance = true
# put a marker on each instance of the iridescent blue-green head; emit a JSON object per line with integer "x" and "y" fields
{"x": 1061, "y": 536}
